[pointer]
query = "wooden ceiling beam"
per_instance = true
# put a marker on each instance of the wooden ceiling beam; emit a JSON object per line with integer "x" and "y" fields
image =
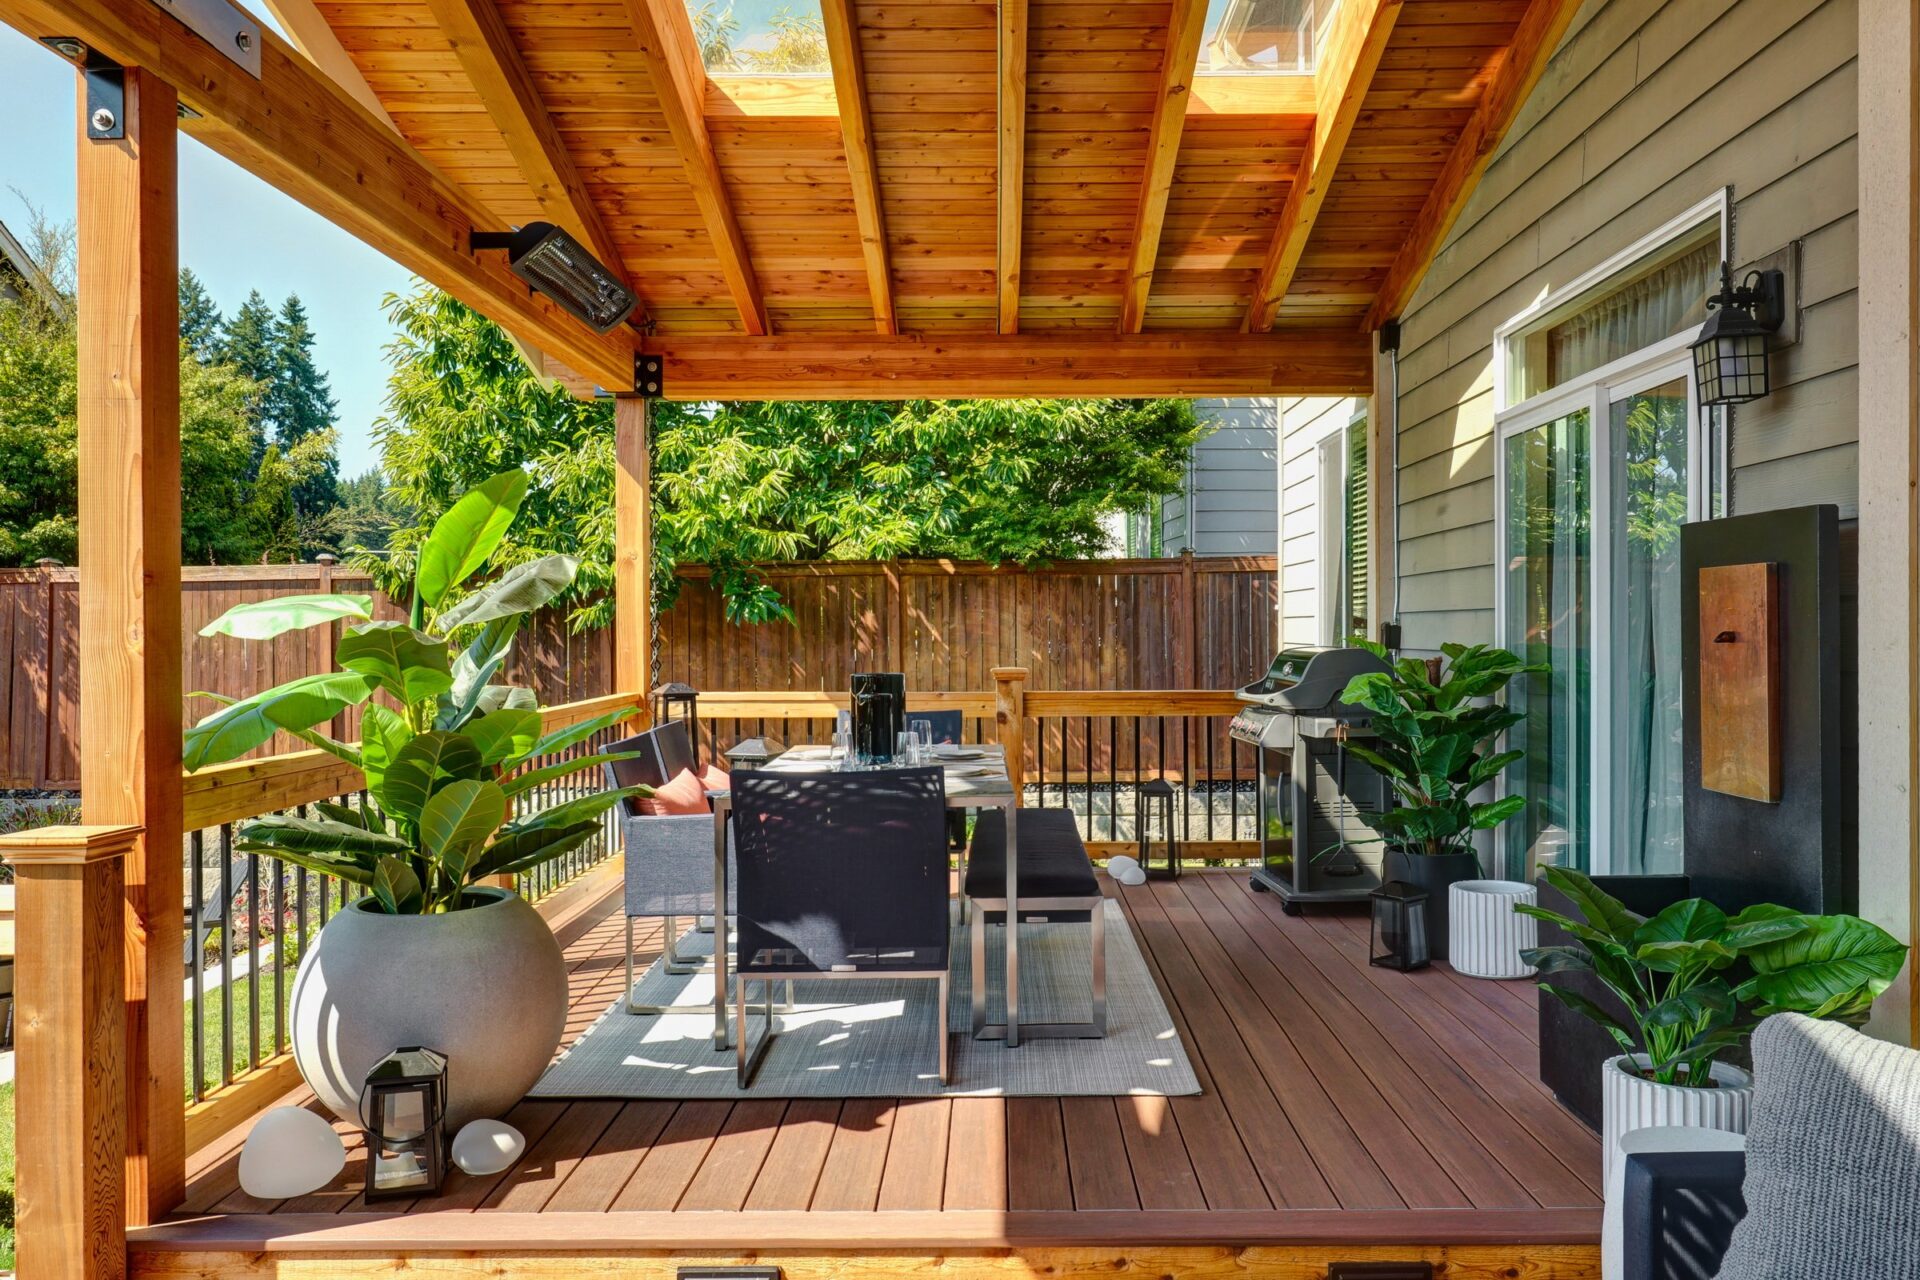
{"x": 1533, "y": 44}
{"x": 488, "y": 55}
{"x": 665, "y": 35}
{"x": 309, "y": 33}
{"x": 1010, "y": 159}
{"x": 1184, "y": 27}
{"x": 302, "y": 133}
{"x": 856, "y": 135}
{"x": 839, "y": 366}
{"x": 1355, "y": 42}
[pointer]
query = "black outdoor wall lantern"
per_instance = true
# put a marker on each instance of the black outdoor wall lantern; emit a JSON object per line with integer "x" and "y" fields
{"x": 554, "y": 263}
{"x": 403, "y": 1109}
{"x": 1399, "y": 938}
{"x": 1730, "y": 355}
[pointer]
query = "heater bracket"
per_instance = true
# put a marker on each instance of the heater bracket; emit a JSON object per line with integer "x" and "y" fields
{"x": 225, "y": 27}
{"x": 649, "y": 376}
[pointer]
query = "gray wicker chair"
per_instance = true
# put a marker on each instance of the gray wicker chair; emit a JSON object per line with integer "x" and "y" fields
{"x": 669, "y": 869}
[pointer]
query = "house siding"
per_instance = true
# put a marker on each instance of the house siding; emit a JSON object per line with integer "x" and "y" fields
{"x": 1231, "y": 479}
{"x": 1648, "y": 107}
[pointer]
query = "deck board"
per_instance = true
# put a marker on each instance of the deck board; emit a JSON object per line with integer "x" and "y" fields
{"x": 1336, "y": 1096}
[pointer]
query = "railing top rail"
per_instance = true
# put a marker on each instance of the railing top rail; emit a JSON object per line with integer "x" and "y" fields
{"x": 246, "y": 788}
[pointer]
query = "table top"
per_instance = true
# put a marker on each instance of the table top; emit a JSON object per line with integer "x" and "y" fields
{"x": 978, "y": 782}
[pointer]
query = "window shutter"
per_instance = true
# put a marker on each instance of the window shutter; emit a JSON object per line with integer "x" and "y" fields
{"x": 1356, "y": 547}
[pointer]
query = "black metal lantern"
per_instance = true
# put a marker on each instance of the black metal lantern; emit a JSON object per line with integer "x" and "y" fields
{"x": 1158, "y": 794}
{"x": 1730, "y": 355}
{"x": 1399, "y": 926}
{"x": 682, "y": 702}
{"x": 752, "y": 753}
{"x": 403, "y": 1109}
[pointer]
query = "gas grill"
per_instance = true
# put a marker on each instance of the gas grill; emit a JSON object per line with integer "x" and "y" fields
{"x": 1318, "y": 804}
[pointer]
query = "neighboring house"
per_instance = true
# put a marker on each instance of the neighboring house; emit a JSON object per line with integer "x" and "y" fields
{"x": 1227, "y": 506}
{"x": 20, "y": 275}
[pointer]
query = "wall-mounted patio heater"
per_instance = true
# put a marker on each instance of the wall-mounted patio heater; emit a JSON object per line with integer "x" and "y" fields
{"x": 1317, "y": 803}
{"x": 557, "y": 265}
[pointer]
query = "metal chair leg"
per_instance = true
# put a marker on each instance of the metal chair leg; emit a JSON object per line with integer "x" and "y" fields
{"x": 1099, "y": 941}
{"x": 940, "y": 1028}
{"x": 977, "y": 952}
{"x": 747, "y": 1060}
{"x": 654, "y": 1010}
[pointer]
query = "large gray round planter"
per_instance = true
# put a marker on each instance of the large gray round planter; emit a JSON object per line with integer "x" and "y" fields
{"x": 487, "y": 986}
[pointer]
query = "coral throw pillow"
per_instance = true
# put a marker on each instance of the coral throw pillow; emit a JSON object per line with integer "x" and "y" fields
{"x": 685, "y": 792}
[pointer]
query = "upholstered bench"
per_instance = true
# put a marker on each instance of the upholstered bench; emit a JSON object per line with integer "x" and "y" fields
{"x": 1057, "y": 886}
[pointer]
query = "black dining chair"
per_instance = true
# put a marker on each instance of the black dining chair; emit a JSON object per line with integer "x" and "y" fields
{"x": 840, "y": 875}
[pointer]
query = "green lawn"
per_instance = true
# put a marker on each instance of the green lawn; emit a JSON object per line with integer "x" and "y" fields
{"x": 6, "y": 1176}
{"x": 242, "y": 1028}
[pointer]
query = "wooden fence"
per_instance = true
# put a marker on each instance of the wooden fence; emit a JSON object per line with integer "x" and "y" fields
{"x": 1185, "y": 623}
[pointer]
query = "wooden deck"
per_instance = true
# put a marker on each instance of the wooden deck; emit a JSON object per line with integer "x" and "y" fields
{"x": 1347, "y": 1112}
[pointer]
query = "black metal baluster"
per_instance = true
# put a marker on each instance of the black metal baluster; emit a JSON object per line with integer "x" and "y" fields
{"x": 1210, "y": 735}
{"x": 1139, "y": 819}
{"x": 1113, "y": 778}
{"x": 1086, "y": 730}
{"x": 279, "y": 956}
{"x": 226, "y": 953}
{"x": 196, "y": 911}
{"x": 1186, "y": 772}
{"x": 253, "y": 960}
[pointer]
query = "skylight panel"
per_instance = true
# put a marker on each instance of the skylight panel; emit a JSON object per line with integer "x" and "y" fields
{"x": 1254, "y": 37}
{"x": 760, "y": 37}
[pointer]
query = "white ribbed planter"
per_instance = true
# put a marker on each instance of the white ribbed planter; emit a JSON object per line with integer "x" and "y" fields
{"x": 1630, "y": 1102}
{"x": 1488, "y": 934}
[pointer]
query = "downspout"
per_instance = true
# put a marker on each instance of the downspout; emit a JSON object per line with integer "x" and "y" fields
{"x": 1389, "y": 339}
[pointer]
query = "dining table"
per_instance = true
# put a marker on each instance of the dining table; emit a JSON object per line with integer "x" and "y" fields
{"x": 976, "y": 778}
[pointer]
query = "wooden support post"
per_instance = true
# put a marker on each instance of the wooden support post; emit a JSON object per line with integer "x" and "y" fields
{"x": 70, "y": 1034}
{"x": 129, "y": 450}
{"x": 632, "y": 548}
{"x": 1010, "y": 717}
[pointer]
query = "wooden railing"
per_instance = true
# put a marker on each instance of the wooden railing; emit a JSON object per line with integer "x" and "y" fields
{"x": 1086, "y": 749}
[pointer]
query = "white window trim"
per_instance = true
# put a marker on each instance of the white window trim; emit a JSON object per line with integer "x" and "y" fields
{"x": 1596, "y": 391}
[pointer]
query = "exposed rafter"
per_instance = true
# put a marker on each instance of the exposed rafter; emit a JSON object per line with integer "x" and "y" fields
{"x": 299, "y": 131}
{"x": 665, "y": 36}
{"x": 1358, "y": 37}
{"x": 309, "y": 33}
{"x": 1177, "y": 64}
{"x": 1011, "y": 159}
{"x": 856, "y": 134}
{"x": 1534, "y": 41}
{"x": 842, "y": 366}
{"x": 487, "y": 54}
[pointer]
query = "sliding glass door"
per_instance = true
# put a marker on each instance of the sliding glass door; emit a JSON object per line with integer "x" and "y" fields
{"x": 1653, "y": 496}
{"x": 1594, "y": 485}
{"x": 1548, "y": 540}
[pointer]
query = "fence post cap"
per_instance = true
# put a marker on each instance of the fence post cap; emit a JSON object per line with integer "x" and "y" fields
{"x": 1011, "y": 673}
{"x": 68, "y": 845}
{"x": 326, "y": 557}
{"x": 47, "y": 562}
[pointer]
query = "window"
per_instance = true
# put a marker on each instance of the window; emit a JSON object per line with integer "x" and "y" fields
{"x": 760, "y": 37}
{"x": 1602, "y": 456}
{"x": 1254, "y": 36}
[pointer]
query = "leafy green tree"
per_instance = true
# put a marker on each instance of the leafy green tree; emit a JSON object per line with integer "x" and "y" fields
{"x": 739, "y": 484}
{"x": 225, "y": 517}
{"x": 369, "y": 513}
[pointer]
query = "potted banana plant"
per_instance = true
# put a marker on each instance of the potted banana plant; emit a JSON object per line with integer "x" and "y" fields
{"x": 428, "y": 955}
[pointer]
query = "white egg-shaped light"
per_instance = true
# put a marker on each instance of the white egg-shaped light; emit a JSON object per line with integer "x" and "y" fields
{"x": 290, "y": 1152}
{"x": 1126, "y": 870}
{"x": 487, "y": 1146}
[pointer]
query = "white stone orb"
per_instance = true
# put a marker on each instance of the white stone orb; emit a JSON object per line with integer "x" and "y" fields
{"x": 290, "y": 1152}
{"x": 487, "y": 1146}
{"x": 1126, "y": 870}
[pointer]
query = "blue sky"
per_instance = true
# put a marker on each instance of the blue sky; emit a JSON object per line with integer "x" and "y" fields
{"x": 236, "y": 233}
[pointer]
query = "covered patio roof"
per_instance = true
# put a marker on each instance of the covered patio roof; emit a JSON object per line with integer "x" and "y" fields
{"x": 1030, "y": 198}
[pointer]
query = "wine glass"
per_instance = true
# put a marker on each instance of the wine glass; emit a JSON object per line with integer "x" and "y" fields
{"x": 924, "y": 730}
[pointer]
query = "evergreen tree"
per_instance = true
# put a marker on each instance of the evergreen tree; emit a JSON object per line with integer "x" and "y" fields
{"x": 300, "y": 402}
{"x": 199, "y": 319}
{"x": 247, "y": 342}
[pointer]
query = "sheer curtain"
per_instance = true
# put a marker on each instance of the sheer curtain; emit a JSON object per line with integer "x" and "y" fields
{"x": 1637, "y": 315}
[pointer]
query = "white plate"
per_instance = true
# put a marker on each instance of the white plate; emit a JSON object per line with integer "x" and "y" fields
{"x": 783, "y": 765}
{"x": 949, "y": 751}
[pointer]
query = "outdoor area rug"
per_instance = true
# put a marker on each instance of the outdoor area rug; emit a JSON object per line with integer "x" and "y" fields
{"x": 874, "y": 1039}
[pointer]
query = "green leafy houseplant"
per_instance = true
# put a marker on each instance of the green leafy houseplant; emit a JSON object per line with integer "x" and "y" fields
{"x": 1432, "y": 725}
{"x": 444, "y": 750}
{"x": 1695, "y": 980}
